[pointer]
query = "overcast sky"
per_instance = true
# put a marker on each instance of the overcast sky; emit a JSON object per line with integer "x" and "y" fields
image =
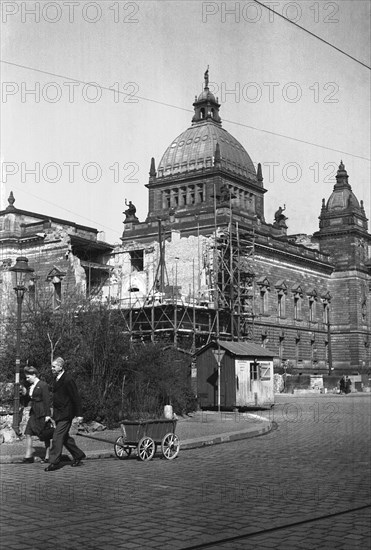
{"x": 92, "y": 146}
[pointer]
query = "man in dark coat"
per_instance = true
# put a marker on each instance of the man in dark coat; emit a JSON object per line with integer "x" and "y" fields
{"x": 66, "y": 406}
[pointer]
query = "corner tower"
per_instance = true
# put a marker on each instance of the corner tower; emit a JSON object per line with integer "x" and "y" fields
{"x": 343, "y": 226}
{"x": 343, "y": 235}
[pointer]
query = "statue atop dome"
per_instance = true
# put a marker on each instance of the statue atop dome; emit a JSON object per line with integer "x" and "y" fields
{"x": 206, "y": 78}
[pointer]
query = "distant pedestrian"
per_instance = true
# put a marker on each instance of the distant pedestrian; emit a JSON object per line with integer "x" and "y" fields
{"x": 348, "y": 383}
{"x": 37, "y": 395}
{"x": 342, "y": 384}
{"x": 66, "y": 406}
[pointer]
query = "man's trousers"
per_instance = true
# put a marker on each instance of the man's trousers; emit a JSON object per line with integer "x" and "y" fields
{"x": 62, "y": 437}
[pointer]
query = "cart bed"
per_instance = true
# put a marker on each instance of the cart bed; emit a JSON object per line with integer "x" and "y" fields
{"x": 134, "y": 430}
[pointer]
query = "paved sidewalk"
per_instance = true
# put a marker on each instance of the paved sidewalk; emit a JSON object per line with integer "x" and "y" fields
{"x": 198, "y": 430}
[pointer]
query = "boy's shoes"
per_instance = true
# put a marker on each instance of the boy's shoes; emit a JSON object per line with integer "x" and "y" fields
{"x": 28, "y": 460}
{"x": 51, "y": 468}
{"x": 77, "y": 461}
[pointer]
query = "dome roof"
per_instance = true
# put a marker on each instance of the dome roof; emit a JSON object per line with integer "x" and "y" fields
{"x": 194, "y": 149}
{"x": 341, "y": 199}
{"x": 342, "y": 196}
{"x": 206, "y": 94}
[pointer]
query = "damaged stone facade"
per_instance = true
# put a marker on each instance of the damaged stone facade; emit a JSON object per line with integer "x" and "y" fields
{"x": 66, "y": 258}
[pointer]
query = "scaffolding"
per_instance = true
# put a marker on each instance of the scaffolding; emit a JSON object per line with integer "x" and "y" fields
{"x": 236, "y": 279}
{"x": 228, "y": 310}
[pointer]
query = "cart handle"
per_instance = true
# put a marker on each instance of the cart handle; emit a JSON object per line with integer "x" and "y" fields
{"x": 101, "y": 439}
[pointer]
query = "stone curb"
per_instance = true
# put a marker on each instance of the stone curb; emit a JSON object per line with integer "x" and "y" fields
{"x": 223, "y": 438}
{"x": 187, "y": 444}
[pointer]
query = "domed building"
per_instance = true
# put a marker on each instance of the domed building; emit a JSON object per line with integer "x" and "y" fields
{"x": 205, "y": 264}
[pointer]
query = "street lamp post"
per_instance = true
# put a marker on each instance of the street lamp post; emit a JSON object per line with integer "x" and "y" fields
{"x": 329, "y": 349}
{"x": 20, "y": 269}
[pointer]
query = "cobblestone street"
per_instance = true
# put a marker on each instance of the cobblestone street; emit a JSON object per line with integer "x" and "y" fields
{"x": 304, "y": 485}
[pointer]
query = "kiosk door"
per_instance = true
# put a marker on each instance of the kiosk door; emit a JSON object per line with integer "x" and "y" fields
{"x": 242, "y": 382}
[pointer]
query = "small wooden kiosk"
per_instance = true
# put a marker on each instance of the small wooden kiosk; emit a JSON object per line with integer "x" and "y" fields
{"x": 246, "y": 375}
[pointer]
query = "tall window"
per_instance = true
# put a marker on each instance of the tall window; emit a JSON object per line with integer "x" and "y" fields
{"x": 183, "y": 196}
{"x": 281, "y": 289}
{"x": 174, "y": 198}
{"x": 137, "y": 260}
{"x": 326, "y": 300}
{"x": 254, "y": 370}
{"x": 200, "y": 193}
{"x": 312, "y": 348}
{"x": 325, "y": 313}
{"x": 166, "y": 199}
{"x": 312, "y": 309}
{"x": 312, "y": 297}
{"x": 191, "y": 194}
{"x": 297, "y": 307}
{"x": 298, "y": 299}
{"x": 281, "y": 304}
{"x": 263, "y": 285}
{"x": 57, "y": 294}
{"x": 55, "y": 277}
{"x": 264, "y": 301}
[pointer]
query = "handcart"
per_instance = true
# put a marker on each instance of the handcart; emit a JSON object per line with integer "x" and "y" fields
{"x": 145, "y": 436}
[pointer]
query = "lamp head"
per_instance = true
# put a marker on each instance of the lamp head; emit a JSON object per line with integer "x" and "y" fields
{"x": 21, "y": 270}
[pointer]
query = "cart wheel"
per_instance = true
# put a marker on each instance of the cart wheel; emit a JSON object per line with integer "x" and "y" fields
{"x": 170, "y": 446}
{"x": 146, "y": 448}
{"x": 121, "y": 450}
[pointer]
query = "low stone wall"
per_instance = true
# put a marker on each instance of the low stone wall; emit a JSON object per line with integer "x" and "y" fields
{"x": 7, "y": 434}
